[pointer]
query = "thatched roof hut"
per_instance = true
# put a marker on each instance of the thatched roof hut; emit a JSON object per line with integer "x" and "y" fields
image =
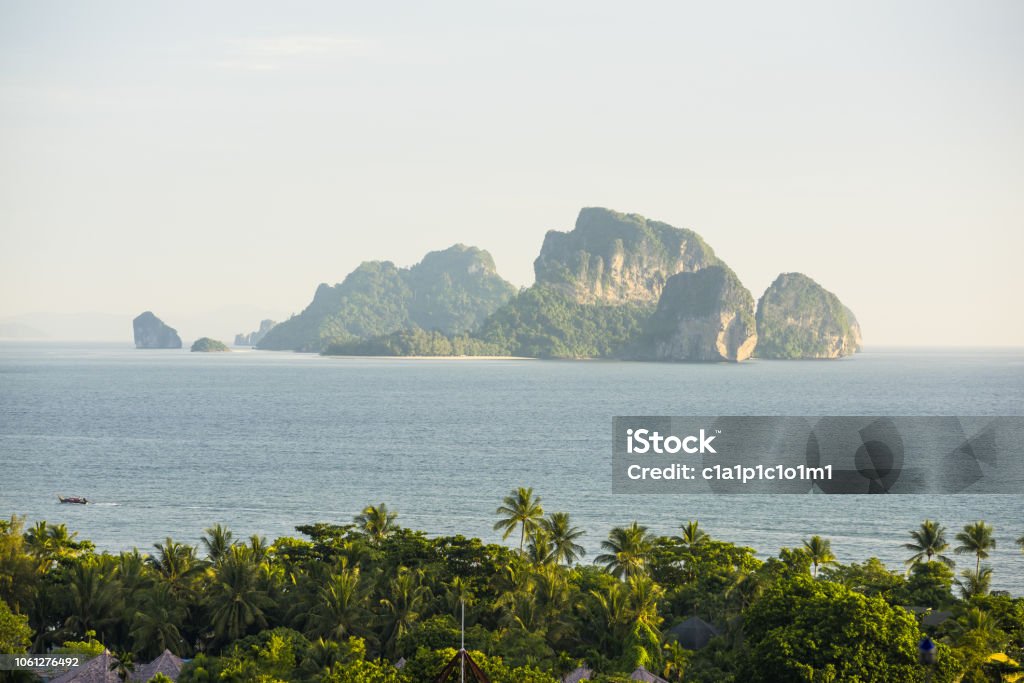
{"x": 936, "y": 618}
{"x": 578, "y": 674}
{"x": 167, "y": 664}
{"x": 96, "y": 670}
{"x": 642, "y": 674}
{"x": 693, "y": 634}
{"x": 471, "y": 668}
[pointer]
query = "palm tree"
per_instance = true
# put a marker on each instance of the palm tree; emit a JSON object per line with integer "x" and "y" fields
{"x": 258, "y": 548}
{"x": 176, "y": 563}
{"x": 929, "y": 541}
{"x": 976, "y": 538}
{"x": 95, "y": 599}
{"x": 643, "y": 645}
{"x": 338, "y": 609}
{"x": 979, "y": 630}
{"x": 51, "y": 543}
{"x": 402, "y": 609}
{"x": 563, "y": 536}
{"x": 975, "y": 583}
{"x": 133, "y": 572}
{"x": 692, "y": 534}
{"x": 628, "y": 550}
{"x": 19, "y": 571}
{"x": 217, "y": 542}
{"x": 236, "y": 603}
{"x": 540, "y": 549}
{"x": 457, "y": 594}
{"x": 610, "y": 615}
{"x": 745, "y": 587}
{"x": 155, "y": 625}
{"x": 820, "y": 551}
{"x": 377, "y": 522}
{"x": 521, "y": 508}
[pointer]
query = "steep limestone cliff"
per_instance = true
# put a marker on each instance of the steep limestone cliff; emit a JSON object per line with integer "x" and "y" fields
{"x": 703, "y": 316}
{"x": 151, "y": 333}
{"x": 610, "y": 257}
{"x": 798, "y": 318}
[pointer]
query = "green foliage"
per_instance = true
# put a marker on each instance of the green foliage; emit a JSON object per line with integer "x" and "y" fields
{"x": 544, "y": 322}
{"x": 15, "y": 633}
{"x": 91, "y": 647}
{"x": 450, "y": 291}
{"x": 205, "y": 344}
{"x": 362, "y": 671}
{"x": 271, "y": 656}
{"x": 415, "y": 342}
{"x": 929, "y": 585}
{"x": 814, "y": 630}
{"x": 19, "y": 571}
{"x": 344, "y": 604}
{"x": 201, "y": 669}
{"x": 425, "y": 665}
{"x": 872, "y": 578}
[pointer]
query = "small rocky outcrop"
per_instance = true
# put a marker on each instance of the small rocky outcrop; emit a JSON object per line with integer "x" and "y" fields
{"x": 254, "y": 338}
{"x": 610, "y": 257}
{"x": 207, "y": 345}
{"x": 798, "y": 318}
{"x": 153, "y": 333}
{"x": 702, "y": 316}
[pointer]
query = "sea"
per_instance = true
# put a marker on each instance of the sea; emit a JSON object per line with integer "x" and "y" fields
{"x": 165, "y": 443}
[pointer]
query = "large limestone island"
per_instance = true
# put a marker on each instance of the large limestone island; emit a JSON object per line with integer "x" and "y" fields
{"x": 153, "y": 333}
{"x": 615, "y": 286}
{"x": 450, "y": 291}
{"x": 798, "y": 318}
{"x": 207, "y": 345}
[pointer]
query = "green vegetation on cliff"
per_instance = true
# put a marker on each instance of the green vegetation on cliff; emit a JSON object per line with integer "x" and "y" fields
{"x": 205, "y": 344}
{"x": 596, "y": 289}
{"x": 798, "y": 318}
{"x": 451, "y": 291}
{"x": 543, "y": 322}
{"x": 415, "y": 342}
{"x": 613, "y": 257}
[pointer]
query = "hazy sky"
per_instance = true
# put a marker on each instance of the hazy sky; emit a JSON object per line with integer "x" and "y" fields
{"x": 193, "y": 158}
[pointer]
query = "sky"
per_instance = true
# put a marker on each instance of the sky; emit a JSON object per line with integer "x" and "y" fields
{"x": 214, "y": 162}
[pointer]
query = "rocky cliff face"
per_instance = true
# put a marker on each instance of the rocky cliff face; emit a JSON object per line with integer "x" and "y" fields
{"x": 152, "y": 333}
{"x": 615, "y": 258}
{"x": 798, "y": 318}
{"x": 858, "y": 337}
{"x": 451, "y": 291}
{"x": 254, "y": 338}
{"x": 703, "y": 316}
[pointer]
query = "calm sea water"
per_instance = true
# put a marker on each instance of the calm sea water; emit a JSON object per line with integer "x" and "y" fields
{"x": 168, "y": 442}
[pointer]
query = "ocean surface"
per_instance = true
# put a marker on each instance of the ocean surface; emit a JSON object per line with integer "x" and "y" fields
{"x": 169, "y": 442}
